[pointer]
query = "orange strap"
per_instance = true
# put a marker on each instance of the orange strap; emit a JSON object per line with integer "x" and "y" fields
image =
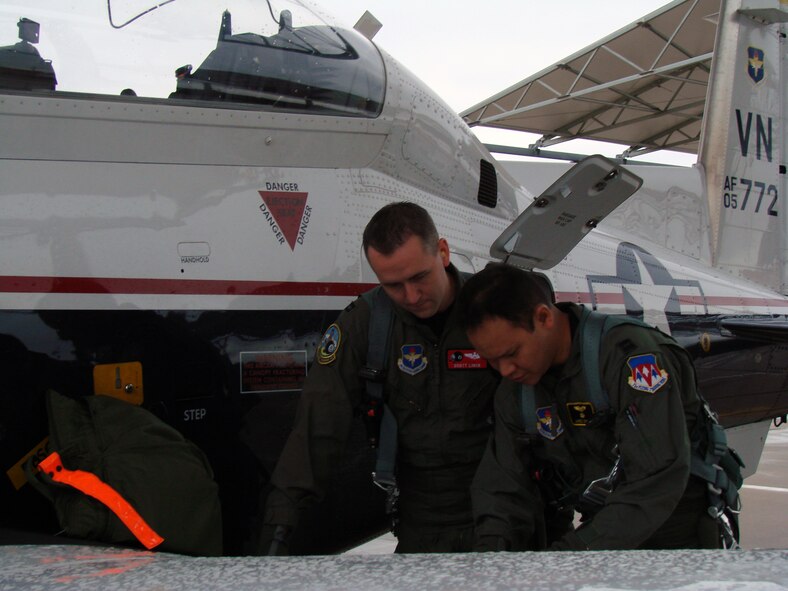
{"x": 91, "y": 485}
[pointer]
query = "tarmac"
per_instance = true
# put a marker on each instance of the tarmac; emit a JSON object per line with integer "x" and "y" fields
{"x": 764, "y": 518}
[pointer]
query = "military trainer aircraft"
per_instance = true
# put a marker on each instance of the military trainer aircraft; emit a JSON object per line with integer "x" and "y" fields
{"x": 184, "y": 187}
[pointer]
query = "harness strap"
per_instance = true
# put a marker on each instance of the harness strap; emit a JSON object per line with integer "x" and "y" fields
{"x": 379, "y": 331}
{"x": 592, "y": 327}
{"x": 528, "y": 409}
{"x": 91, "y": 485}
{"x": 720, "y": 466}
{"x": 387, "y": 451}
{"x": 380, "y": 322}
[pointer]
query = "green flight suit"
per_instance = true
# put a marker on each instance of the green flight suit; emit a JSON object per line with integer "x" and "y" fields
{"x": 650, "y": 381}
{"x": 443, "y": 409}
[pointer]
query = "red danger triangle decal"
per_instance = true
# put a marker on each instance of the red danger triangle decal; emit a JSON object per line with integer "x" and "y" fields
{"x": 288, "y": 210}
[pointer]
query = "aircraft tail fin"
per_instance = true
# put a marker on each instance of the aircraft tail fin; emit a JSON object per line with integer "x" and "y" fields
{"x": 742, "y": 149}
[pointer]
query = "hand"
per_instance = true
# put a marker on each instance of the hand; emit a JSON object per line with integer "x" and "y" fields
{"x": 274, "y": 540}
{"x": 490, "y": 543}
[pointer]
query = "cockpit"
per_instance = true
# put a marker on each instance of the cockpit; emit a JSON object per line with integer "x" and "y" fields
{"x": 252, "y": 54}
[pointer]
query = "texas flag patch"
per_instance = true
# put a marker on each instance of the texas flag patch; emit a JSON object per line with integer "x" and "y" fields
{"x": 646, "y": 375}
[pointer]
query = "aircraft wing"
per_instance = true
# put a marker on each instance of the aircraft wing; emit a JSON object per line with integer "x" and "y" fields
{"x": 644, "y": 85}
{"x": 557, "y": 220}
{"x": 757, "y": 329}
{"x": 106, "y": 569}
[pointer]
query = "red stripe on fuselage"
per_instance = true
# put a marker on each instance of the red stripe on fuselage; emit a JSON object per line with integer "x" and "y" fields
{"x": 147, "y": 286}
{"x": 114, "y": 285}
{"x": 708, "y": 300}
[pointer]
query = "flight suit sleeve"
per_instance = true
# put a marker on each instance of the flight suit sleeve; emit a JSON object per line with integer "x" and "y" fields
{"x": 649, "y": 387}
{"x": 506, "y": 503}
{"x": 332, "y": 390}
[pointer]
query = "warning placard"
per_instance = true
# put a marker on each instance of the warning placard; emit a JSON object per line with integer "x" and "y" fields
{"x": 272, "y": 371}
{"x": 287, "y": 213}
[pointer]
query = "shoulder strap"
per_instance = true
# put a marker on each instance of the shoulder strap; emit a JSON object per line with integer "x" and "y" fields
{"x": 593, "y": 327}
{"x": 528, "y": 409}
{"x": 380, "y": 320}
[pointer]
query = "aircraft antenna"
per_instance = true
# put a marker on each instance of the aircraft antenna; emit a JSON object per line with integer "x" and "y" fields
{"x": 131, "y": 20}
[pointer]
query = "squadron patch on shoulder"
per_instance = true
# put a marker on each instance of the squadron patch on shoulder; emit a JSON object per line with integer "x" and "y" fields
{"x": 329, "y": 345}
{"x": 580, "y": 413}
{"x": 646, "y": 374}
{"x": 413, "y": 360}
{"x": 548, "y": 424}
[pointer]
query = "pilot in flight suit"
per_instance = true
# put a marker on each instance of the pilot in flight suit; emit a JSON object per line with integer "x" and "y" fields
{"x": 439, "y": 392}
{"x": 557, "y": 443}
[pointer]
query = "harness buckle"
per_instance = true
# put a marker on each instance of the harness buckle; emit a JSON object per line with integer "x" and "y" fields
{"x": 729, "y": 541}
{"x": 598, "y": 490}
{"x": 389, "y": 486}
{"x": 384, "y": 482}
{"x": 717, "y": 490}
{"x": 372, "y": 374}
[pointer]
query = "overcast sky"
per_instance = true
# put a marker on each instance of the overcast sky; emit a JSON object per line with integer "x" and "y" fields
{"x": 467, "y": 51}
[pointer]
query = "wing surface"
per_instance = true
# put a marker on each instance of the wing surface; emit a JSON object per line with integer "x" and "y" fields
{"x": 108, "y": 569}
{"x": 770, "y": 330}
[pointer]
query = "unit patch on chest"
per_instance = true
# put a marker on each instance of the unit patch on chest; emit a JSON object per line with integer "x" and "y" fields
{"x": 413, "y": 360}
{"x": 548, "y": 423}
{"x": 465, "y": 359}
{"x": 580, "y": 413}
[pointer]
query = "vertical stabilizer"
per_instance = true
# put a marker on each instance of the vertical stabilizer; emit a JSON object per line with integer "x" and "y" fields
{"x": 743, "y": 144}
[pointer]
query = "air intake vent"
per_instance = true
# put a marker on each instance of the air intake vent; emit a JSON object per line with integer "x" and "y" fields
{"x": 488, "y": 184}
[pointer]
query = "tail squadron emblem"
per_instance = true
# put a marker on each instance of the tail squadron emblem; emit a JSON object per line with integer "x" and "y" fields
{"x": 755, "y": 63}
